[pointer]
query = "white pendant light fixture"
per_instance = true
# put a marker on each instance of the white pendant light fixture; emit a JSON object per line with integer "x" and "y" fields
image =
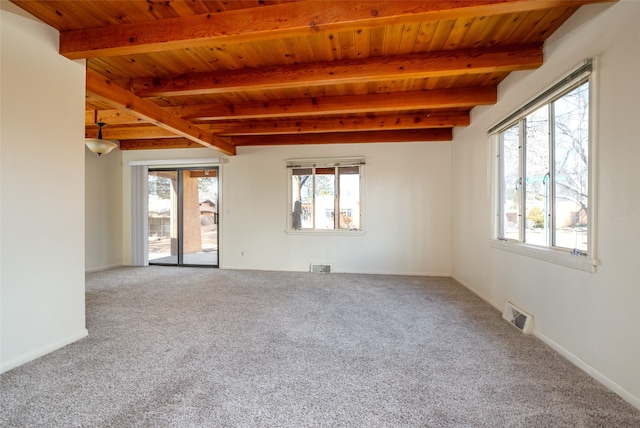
{"x": 98, "y": 145}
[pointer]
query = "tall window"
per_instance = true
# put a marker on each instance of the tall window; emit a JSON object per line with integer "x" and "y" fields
{"x": 325, "y": 195}
{"x": 543, "y": 168}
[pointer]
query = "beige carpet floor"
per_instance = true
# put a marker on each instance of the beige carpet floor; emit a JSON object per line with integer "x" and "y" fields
{"x": 193, "y": 347}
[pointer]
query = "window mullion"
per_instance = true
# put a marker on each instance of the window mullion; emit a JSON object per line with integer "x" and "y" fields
{"x": 522, "y": 171}
{"x": 523, "y": 180}
{"x": 336, "y": 199}
{"x": 552, "y": 175}
{"x": 551, "y": 206}
{"x": 501, "y": 189}
{"x": 313, "y": 197}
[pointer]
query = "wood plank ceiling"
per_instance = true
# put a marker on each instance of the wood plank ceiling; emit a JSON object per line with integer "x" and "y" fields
{"x": 224, "y": 74}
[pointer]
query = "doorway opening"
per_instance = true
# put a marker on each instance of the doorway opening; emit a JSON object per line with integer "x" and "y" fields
{"x": 183, "y": 216}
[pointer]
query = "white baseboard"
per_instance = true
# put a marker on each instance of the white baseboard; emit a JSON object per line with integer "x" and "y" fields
{"x": 338, "y": 269}
{"x": 581, "y": 364}
{"x": 37, "y": 353}
{"x": 591, "y": 371}
{"x": 101, "y": 268}
{"x": 499, "y": 307}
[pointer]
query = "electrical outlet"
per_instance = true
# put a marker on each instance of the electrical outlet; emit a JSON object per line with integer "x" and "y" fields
{"x": 242, "y": 253}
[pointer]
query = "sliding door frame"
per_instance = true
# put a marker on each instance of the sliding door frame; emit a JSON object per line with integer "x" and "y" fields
{"x": 180, "y": 213}
{"x": 139, "y": 202}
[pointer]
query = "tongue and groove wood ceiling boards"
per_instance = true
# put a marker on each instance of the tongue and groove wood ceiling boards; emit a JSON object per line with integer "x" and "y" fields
{"x": 223, "y": 74}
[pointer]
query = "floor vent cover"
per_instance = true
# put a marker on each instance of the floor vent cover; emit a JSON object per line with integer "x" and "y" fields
{"x": 320, "y": 268}
{"x": 518, "y": 318}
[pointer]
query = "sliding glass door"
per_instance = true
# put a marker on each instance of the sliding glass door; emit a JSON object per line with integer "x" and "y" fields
{"x": 183, "y": 216}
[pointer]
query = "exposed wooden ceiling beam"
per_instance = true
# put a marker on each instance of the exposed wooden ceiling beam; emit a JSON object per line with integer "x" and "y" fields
{"x": 224, "y": 130}
{"x": 400, "y": 136}
{"x": 165, "y": 143}
{"x": 146, "y": 131}
{"x": 329, "y": 124}
{"x": 349, "y": 104}
{"x": 118, "y": 117}
{"x": 122, "y": 99}
{"x": 298, "y": 107}
{"x": 297, "y": 19}
{"x": 443, "y": 63}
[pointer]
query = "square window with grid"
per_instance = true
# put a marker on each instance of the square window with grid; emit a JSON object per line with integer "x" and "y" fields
{"x": 325, "y": 195}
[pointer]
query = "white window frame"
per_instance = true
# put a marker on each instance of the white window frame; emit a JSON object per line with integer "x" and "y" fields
{"x": 580, "y": 260}
{"x": 325, "y": 163}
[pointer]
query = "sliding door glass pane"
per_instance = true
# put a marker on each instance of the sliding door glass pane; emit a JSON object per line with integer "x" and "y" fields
{"x": 571, "y": 133}
{"x": 510, "y": 183}
{"x": 537, "y": 177}
{"x": 199, "y": 217}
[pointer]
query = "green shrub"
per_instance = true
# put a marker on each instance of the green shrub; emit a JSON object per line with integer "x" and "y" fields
{"x": 536, "y": 216}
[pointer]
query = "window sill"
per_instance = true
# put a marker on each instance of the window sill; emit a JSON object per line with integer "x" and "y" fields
{"x": 582, "y": 263}
{"x": 328, "y": 232}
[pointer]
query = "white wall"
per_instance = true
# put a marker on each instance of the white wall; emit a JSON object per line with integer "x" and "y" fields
{"x": 103, "y": 210}
{"x": 593, "y": 319}
{"x": 42, "y": 191}
{"x": 406, "y": 209}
